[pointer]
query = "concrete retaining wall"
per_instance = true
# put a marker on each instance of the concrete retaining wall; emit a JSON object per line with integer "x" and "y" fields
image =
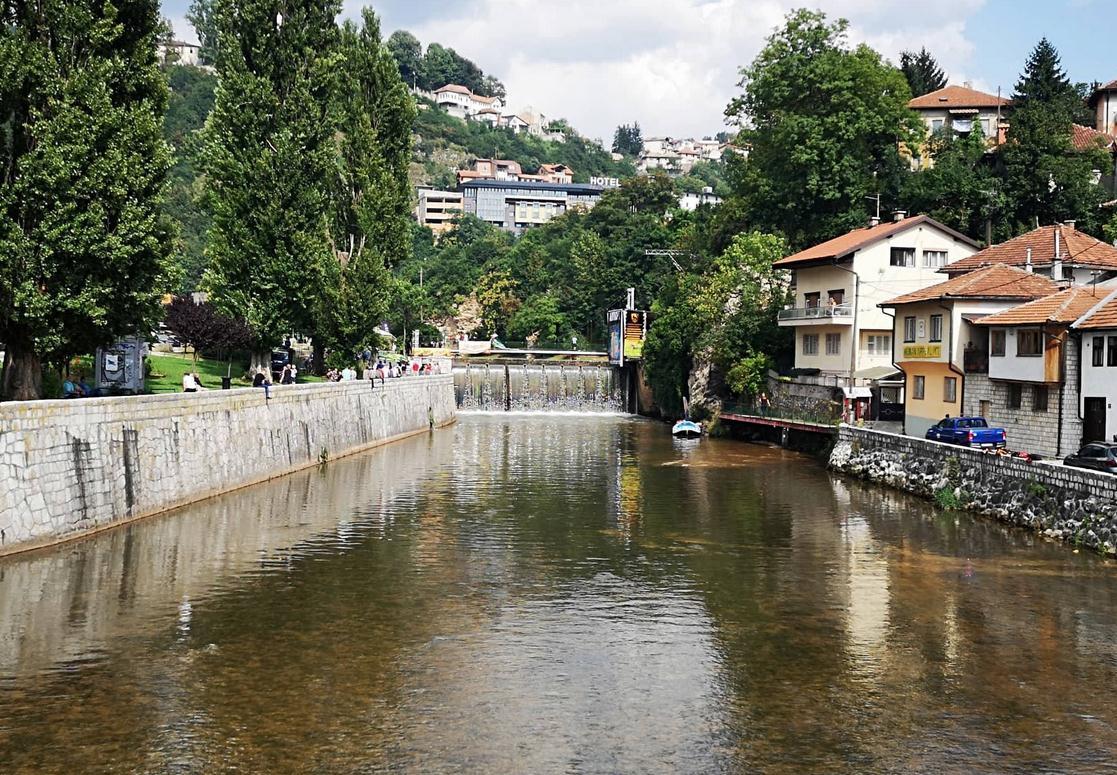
{"x": 68, "y": 468}
{"x": 1070, "y": 504}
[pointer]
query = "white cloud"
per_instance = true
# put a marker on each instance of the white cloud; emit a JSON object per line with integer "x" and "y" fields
{"x": 670, "y": 64}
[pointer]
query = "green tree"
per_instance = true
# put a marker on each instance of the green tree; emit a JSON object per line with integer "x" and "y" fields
{"x": 83, "y": 244}
{"x": 270, "y": 161}
{"x": 727, "y": 315}
{"x": 371, "y": 225}
{"x": 823, "y": 123}
{"x": 408, "y": 53}
{"x": 541, "y": 316}
{"x": 203, "y": 17}
{"x": 628, "y": 139}
{"x": 1046, "y": 178}
{"x": 961, "y": 189}
{"x": 922, "y": 72}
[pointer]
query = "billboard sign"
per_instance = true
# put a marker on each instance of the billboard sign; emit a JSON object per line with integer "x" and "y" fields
{"x": 627, "y": 330}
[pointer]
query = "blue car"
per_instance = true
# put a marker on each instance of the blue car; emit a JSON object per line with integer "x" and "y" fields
{"x": 967, "y": 432}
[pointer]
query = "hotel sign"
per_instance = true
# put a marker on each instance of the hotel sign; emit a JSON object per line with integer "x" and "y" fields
{"x": 605, "y": 182}
{"x": 919, "y": 351}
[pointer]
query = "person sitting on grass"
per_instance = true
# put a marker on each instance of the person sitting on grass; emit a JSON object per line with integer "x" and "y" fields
{"x": 71, "y": 389}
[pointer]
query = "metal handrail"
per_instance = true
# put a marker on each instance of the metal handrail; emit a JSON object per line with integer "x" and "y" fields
{"x": 819, "y": 312}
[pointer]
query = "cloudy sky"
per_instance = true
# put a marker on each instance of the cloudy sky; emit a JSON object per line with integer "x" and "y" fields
{"x": 672, "y": 64}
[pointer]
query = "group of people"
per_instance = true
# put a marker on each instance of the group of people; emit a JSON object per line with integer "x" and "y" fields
{"x": 78, "y": 388}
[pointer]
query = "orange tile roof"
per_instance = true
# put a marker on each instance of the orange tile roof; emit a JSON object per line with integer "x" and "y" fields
{"x": 957, "y": 97}
{"x": 1066, "y": 306}
{"x": 1101, "y": 315}
{"x": 1086, "y": 137}
{"x": 1075, "y": 248}
{"x": 992, "y": 282}
{"x": 859, "y": 238}
{"x": 454, "y": 88}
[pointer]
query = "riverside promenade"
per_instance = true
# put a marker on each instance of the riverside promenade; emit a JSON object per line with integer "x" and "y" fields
{"x": 71, "y": 468}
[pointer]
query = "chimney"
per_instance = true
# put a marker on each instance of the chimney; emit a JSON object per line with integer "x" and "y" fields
{"x": 1028, "y": 262}
{"x": 967, "y": 84}
{"x": 874, "y": 221}
{"x": 1057, "y": 265}
{"x": 1068, "y": 225}
{"x": 899, "y": 215}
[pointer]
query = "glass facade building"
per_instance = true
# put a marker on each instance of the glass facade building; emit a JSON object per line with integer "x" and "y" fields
{"x": 518, "y": 205}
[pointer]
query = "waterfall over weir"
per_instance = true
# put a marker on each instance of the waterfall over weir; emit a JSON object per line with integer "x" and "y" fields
{"x": 558, "y": 387}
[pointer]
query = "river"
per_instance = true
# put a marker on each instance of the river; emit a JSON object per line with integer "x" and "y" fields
{"x": 559, "y": 593}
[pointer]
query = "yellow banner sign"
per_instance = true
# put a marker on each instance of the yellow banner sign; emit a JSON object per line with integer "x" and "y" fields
{"x": 913, "y": 351}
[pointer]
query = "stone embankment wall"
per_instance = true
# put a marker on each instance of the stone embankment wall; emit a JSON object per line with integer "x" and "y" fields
{"x": 68, "y": 468}
{"x": 1071, "y": 504}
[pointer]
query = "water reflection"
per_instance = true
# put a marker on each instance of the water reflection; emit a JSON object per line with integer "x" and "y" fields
{"x": 550, "y": 593}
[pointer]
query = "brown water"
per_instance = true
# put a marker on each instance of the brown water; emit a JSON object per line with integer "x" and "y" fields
{"x": 559, "y": 594}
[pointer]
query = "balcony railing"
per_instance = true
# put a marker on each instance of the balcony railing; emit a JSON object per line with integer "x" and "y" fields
{"x": 817, "y": 313}
{"x": 975, "y": 361}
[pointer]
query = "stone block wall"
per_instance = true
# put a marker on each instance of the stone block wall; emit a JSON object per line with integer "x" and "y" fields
{"x": 1042, "y": 432}
{"x": 72, "y": 467}
{"x": 1069, "y": 504}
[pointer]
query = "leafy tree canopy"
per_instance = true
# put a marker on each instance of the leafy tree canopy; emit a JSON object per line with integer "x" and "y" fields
{"x": 823, "y": 121}
{"x": 628, "y": 139}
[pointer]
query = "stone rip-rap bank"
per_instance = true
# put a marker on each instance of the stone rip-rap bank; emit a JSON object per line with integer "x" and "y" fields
{"x": 71, "y": 467}
{"x": 1074, "y": 505}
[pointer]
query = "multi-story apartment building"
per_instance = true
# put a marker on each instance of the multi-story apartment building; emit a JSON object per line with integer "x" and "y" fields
{"x": 841, "y": 331}
{"x": 438, "y": 209}
{"x": 518, "y": 205}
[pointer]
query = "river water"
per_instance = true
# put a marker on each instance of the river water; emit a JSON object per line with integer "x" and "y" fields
{"x": 549, "y": 593}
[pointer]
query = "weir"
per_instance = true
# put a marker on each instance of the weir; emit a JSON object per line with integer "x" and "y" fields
{"x": 537, "y": 387}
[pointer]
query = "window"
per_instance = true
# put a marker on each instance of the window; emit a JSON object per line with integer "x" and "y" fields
{"x": 936, "y": 124}
{"x": 950, "y": 389}
{"x": 812, "y": 300}
{"x": 1015, "y": 394}
{"x": 963, "y": 125}
{"x": 903, "y": 257}
{"x": 997, "y": 343}
{"x": 810, "y": 344}
{"x": 985, "y": 126}
{"x": 1039, "y": 398}
{"x": 1098, "y": 353}
{"x": 837, "y": 297}
{"x": 833, "y": 344}
{"x": 934, "y": 259}
{"x": 879, "y": 344}
{"x": 1029, "y": 342}
{"x": 909, "y": 329}
{"x": 936, "y": 328}
{"x": 918, "y": 387}
{"x": 1112, "y": 360}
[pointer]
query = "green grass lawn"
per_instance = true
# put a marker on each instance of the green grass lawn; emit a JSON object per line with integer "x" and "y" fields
{"x": 171, "y": 366}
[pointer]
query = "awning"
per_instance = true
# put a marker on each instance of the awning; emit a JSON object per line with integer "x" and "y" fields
{"x": 876, "y": 372}
{"x": 857, "y": 392}
{"x": 963, "y": 111}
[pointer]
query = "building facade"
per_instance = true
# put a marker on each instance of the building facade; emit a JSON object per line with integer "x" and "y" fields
{"x": 438, "y": 209}
{"x": 1022, "y": 371}
{"x": 1104, "y": 103}
{"x": 840, "y": 329}
{"x": 1097, "y": 332}
{"x": 515, "y": 206}
{"x": 934, "y": 328}
{"x": 960, "y": 110}
{"x": 1059, "y": 252}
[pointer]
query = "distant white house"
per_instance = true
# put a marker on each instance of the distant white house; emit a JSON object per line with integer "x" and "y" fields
{"x": 462, "y": 103}
{"x": 691, "y": 202}
{"x": 178, "y": 52}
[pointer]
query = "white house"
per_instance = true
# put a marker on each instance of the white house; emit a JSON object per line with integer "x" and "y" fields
{"x": 1098, "y": 332}
{"x": 178, "y": 52}
{"x": 1022, "y": 368}
{"x": 840, "y": 329}
{"x": 691, "y": 201}
{"x": 934, "y": 335}
{"x": 1104, "y": 102}
{"x": 460, "y": 102}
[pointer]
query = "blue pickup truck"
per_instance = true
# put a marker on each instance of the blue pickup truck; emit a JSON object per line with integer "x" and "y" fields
{"x": 967, "y": 431}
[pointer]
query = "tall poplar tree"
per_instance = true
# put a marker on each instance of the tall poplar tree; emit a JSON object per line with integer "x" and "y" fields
{"x": 269, "y": 161}
{"x": 83, "y": 245}
{"x": 371, "y": 220}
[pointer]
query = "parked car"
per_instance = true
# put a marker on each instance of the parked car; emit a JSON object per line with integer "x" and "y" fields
{"x": 279, "y": 359}
{"x": 967, "y": 431}
{"x": 1099, "y": 455}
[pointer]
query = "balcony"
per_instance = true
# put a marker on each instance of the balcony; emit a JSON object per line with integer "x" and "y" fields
{"x": 836, "y": 314}
{"x": 975, "y": 361}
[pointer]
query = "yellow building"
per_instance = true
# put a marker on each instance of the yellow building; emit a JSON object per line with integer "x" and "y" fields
{"x": 932, "y": 329}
